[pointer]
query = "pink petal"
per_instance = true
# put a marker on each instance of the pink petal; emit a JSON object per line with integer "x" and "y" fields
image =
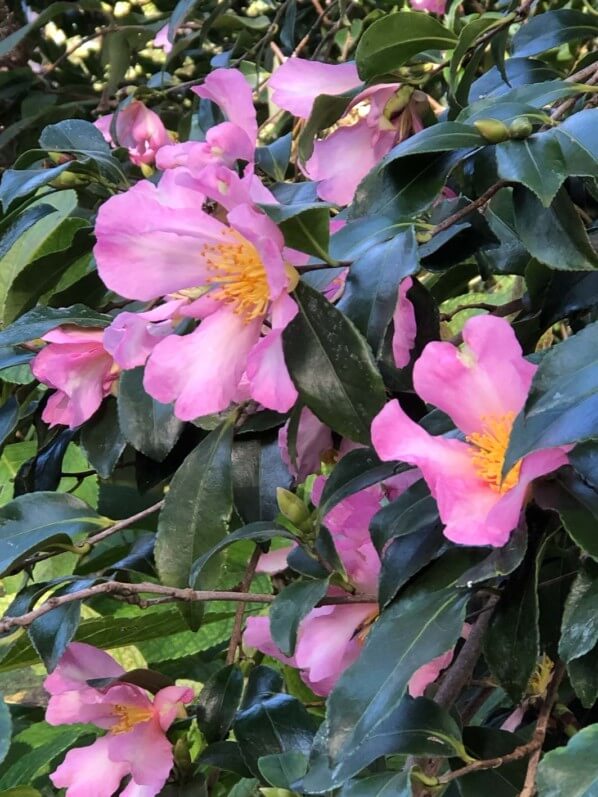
{"x": 231, "y": 92}
{"x": 145, "y": 752}
{"x": 428, "y": 673}
{"x": 146, "y": 247}
{"x": 296, "y": 83}
{"x": 201, "y": 371}
{"x": 168, "y": 701}
{"x": 433, "y": 6}
{"x": 89, "y": 772}
{"x": 269, "y": 380}
{"x": 274, "y": 561}
{"x": 257, "y": 635}
{"x": 132, "y": 336}
{"x": 314, "y": 438}
{"x": 487, "y": 378}
{"x": 405, "y": 326}
{"x": 141, "y": 131}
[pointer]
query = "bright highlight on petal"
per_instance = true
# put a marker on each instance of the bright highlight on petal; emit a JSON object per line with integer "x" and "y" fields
{"x": 488, "y": 455}
{"x": 239, "y": 272}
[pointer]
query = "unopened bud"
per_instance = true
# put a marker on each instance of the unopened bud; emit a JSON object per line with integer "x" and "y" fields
{"x": 493, "y": 130}
{"x": 68, "y": 180}
{"x": 521, "y": 127}
{"x": 292, "y": 507}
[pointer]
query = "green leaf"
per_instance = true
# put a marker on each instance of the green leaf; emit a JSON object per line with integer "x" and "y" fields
{"x": 326, "y": 110}
{"x": 571, "y": 770}
{"x": 102, "y": 440}
{"x": 584, "y": 458}
{"x": 441, "y": 137}
{"x": 562, "y": 406}
{"x": 370, "y": 294}
{"x": 579, "y": 629}
{"x": 20, "y": 791}
{"x": 17, "y": 183}
{"x": 290, "y": 606}
{"x": 37, "y": 520}
{"x": 357, "y": 470}
{"x": 555, "y": 235}
{"x": 305, "y": 227}
{"x": 218, "y": 702}
{"x": 260, "y": 531}
{"x": 467, "y": 39}
{"x": 283, "y": 769}
{"x": 536, "y": 162}
{"x": 40, "y": 320}
{"x": 395, "y": 38}
{"x": 274, "y": 159}
{"x": 512, "y": 642}
{"x": 419, "y": 626}
{"x": 583, "y": 675}
{"x": 484, "y": 743}
{"x": 577, "y": 504}
{"x": 10, "y": 42}
{"x": 150, "y": 427}
{"x": 258, "y": 470}
{"x": 33, "y": 763}
{"x": 332, "y": 366}
{"x": 5, "y": 729}
{"x": 387, "y": 784}
{"x": 9, "y": 417}
{"x": 195, "y": 516}
{"x": 551, "y": 29}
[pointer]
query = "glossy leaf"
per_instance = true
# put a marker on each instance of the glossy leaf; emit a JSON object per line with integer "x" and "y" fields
{"x": 391, "y": 41}
{"x": 305, "y": 227}
{"x": 218, "y": 701}
{"x": 5, "y": 729}
{"x": 579, "y": 632}
{"x": 147, "y": 425}
{"x": 552, "y": 29}
{"x": 40, "y": 320}
{"x": 570, "y": 770}
{"x": 290, "y": 606}
{"x": 388, "y": 784}
{"x": 332, "y": 366}
{"x": 102, "y": 440}
{"x": 195, "y": 515}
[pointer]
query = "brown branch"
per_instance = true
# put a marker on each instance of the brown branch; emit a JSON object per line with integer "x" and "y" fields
{"x": 496, "y": 309}
{"x": 94, "y": 539}
{"x": 235, "y": 637}
{"x": 171, "y": 593}
{"x": 589, "y": 76}
{"x": 475, "y": 205}
{"x": 533, "y": 746}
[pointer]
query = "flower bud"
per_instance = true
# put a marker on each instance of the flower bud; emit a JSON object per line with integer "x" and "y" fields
{"x": 68, "y": 180}
{"x": 293, "y": 508}
{"x": 493, "y": 130}
{"x": 521, "y": 127}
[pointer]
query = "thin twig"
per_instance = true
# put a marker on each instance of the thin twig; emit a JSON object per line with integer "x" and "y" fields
{"x": 173, "y": 593}
{"x": 73, "y": 49}
{"x": 496, "y": 309}
{"x": 475, "y": 205}
{"x": 589, "y": 76}
{"x": 235, "y": 637}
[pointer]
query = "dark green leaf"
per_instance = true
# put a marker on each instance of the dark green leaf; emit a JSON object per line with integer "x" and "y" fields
{"x": 326, "y": 110}
{"x": 257, "y": 472}
{"x": 101, "y": 439}
{"x": 571, "y": 770}
{"x": 305, "y": 227}
{"x": 583, "y": 675}
{"x": 536, "y": 162}
{"x": 483, "y": 743}
{"x": 370, "y": 294}
{"x": 551, "y": 29}
{"x": 9, "y": 416}
{"x": 579, "y": 630}
{"x": 332, "y": 366}
{"x": 225, "y": 755}
{"x": 554, "y": 235}
{"x": 441, "y": 137}
{"x": 584, "y": 459}
{"x": 218, "y": 701}
{"x": 562, "y": 406}
{"x": 10, "y": 42}
{"x": 501, "y": 562}
{"x": 387, "y": 784}
{"x": 17, "y": 183}
{"x": 147, "y": 425}
{"x": 40, "y": 320}
{"x": 512, "y": 642}
{"x": 406, "y": 555}
{"x": 467, "y": 39}
{"x": 195, "y": 517}
{"x": 413, "y": 510}
{"x": 274, "y": 159}
{"x": 396, "y": 38}
{"x": 5, "y": 729}
{"x": 290, "y": 607}
{"x": 32, "y": 763}
{"x": 283, "y": 769}
{"x": 38, "y": 520}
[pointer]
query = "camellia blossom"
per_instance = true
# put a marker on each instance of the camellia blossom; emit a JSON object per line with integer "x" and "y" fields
{"x": 234, "y": 139}
{"x": 135, "y": 744}
{"x": 433, "y": 6}
{"x": 482, "y": 387}
{"x": 330, "y": 638}
{"x": 314, "y": 439}
{"x": 375, "y": 120}
{"x": 76, "y": 363}
{"x": 405, "y": 326}
{"x": 233, "y": 277}
{"x": 138, "y": 129}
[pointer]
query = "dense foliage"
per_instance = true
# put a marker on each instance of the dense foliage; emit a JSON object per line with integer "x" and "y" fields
{"x": 299, "y": 398}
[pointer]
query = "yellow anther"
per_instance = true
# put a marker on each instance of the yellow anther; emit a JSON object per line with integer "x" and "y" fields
{"x": 488, "y": 454}
{"x": 129, "y": 717}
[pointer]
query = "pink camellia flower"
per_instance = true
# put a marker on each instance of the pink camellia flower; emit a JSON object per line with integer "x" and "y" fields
{"x": 296, "y": 83}
{"x": 433, "y": 6}
{"x": 314, "y": 439}
{"x": 405, "y": 326}
{"x": 227, "y": 142}
{"x": 330, "y": 638}
{"x": 161, "y": 40}
{"x": 138, "y": 129}
{"x": 482, "y": 387}
{"x": 375, "y": 120}
{"x": 75, "y": 363}
{"x": 135, "y": 743}
{"x": 233, "y": 276}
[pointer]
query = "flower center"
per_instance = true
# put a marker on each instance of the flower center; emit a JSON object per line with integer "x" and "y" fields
{"x": 240, "y": 274}
{"x": 489, "y": 448}
{"x": 365, "y": 626}
{"x": 129, "y": 716}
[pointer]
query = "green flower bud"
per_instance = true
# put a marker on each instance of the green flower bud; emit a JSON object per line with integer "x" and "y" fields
{"x": 293, "y": 508}
{"x": 521, "y": 127}
{"x": 493, "y": 130}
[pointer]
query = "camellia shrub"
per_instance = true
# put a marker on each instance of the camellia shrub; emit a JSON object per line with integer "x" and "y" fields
{"x": 299, "y": 398}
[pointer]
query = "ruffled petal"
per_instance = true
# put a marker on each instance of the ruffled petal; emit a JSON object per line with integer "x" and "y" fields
{"x": 231, "y": 92}
{"x": 89, "y": 772}
{"x": 296, "y": 83}
{"x": 269, "y": 380}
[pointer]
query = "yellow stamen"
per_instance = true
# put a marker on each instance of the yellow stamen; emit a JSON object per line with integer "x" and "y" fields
{"x": 489, "y": 448}
{"x": 240, "y": 274}
{"x": 538, "y": 683}
{"x": 366, "y": 625}
{"x": 129, "y": 716}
